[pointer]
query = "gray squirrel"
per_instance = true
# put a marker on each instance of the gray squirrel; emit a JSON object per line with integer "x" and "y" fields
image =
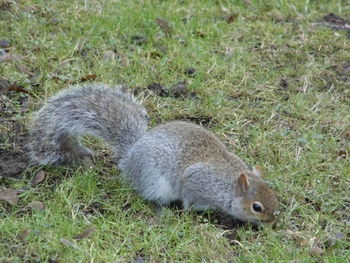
{"x": 175, "y": 161}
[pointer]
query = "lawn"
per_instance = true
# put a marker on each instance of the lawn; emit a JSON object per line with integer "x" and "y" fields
{"x": 270, "y": 78}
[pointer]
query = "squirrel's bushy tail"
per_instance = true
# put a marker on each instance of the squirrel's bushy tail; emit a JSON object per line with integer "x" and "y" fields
{"x": 96, "y": 109}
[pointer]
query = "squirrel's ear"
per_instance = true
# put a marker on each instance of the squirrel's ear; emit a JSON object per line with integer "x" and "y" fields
{"x": 257, "y": 171}
{"x": 243, "y": 183}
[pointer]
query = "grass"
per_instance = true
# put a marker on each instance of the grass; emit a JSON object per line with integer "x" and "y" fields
{"x": 271, "y": 83}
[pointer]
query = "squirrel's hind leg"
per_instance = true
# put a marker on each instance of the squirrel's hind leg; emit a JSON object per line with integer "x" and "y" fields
{"x": 73, "y": 152}
{"x": 66, "y": 150}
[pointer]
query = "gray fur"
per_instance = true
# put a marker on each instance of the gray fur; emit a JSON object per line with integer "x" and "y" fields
{"x": 173, "y": 161}
{"x": 95, "y": 109}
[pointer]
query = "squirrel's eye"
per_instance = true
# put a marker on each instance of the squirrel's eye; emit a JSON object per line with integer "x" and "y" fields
{"x": 257, "y": 208}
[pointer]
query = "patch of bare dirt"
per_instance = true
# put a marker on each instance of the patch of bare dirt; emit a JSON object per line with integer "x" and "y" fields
{"x": 179, "y": 90}
{"x": 220, "y": 220}
{"x": 13, "y": 154}
{"x": 342, "y": 70}
{"x": 14, "y": 102}
{"x": 223, "y": 221}
{"x": 12, "y": 163}
{"x": 335, "y": 22}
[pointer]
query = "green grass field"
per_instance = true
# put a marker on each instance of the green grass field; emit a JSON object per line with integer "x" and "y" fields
{"x": 272, "y": 81}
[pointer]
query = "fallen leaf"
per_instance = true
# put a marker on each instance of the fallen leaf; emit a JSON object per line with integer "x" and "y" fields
{"x": 89, "y": 77}
{"x": 231, "y": 18}
{"x": 38, "y": 177}
{"x": 17, "y": 88}
{"x": 35, "y": 206}
{"x": 164, "y": 26}
{"x": 9, "y": 195}
{"x": 86, "y": 233}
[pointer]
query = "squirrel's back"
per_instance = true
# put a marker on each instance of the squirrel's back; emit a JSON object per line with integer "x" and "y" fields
{"x": 95, "y": 109}
{"x": 197, "y": 144}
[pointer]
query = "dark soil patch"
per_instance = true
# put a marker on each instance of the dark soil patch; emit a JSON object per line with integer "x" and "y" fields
{"x": 179, "y": 90}
{"x": 334, "y": 19}
{"x": 284, "y": 84}
{"x": 13, "y": 154}
{"x": 338, "y": 72}
{"x": 95, "y": 208}
{"x": 216, "y": 218}
{"x": 14, "y": 98}
{"x": 190, "y": 72}
{"x": 139, "y": 39}
{"x": 12, "y": 163}
{"x": 14, "y": 101}
{"x": 223, "y": 221}
{"x": 342, "y": 71}
{"x": 336, "y": 23}
{"x": 176, "y": 205}
{"x": 158, "y": 89}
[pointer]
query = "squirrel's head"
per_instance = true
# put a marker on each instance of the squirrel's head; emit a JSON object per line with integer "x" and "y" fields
{"x": 259, "y": 202}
